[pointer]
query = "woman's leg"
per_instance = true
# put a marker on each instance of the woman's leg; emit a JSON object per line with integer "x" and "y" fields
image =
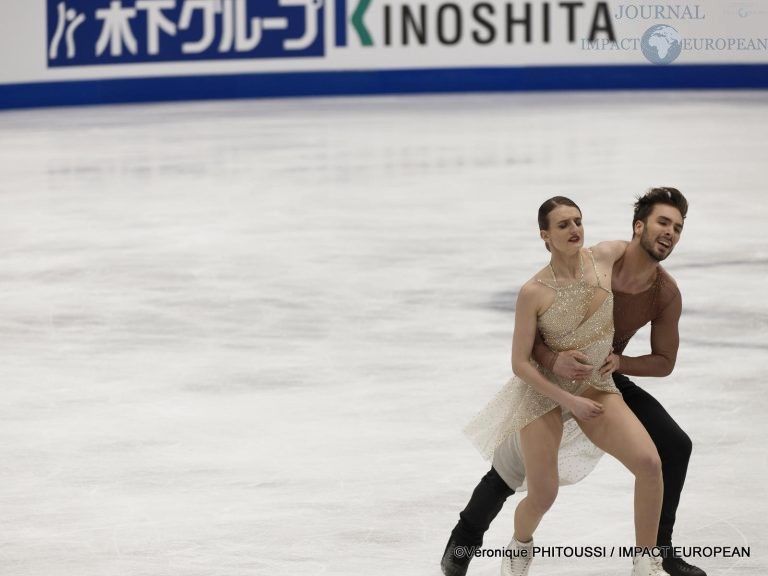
{"x": 539, "y": 443}
{"x": 619, "y": 433}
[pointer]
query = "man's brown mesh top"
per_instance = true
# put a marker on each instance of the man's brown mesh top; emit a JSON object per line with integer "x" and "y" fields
{"x": 661, "y": 306}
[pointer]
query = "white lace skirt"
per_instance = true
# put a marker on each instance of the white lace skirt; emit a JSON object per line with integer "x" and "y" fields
{"x": 576, "y": 458}
{"x": 516, "y": 405}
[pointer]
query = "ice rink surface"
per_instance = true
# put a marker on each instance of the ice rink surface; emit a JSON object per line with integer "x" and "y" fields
{"x": 243, "y": 338}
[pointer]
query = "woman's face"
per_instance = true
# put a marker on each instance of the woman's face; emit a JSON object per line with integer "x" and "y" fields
{"x": 565, "y": 232}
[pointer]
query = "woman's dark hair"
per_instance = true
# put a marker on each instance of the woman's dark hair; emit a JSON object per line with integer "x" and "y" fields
{"x": 669, "y": 196}
{"x": 550, "y": 205}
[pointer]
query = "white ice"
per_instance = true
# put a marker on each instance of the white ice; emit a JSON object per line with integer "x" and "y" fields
{"x": 243, "y": 338}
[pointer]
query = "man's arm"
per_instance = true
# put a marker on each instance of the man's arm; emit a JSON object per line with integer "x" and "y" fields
{"x": 665, "y": 340}
{"x": 569, "y": 364}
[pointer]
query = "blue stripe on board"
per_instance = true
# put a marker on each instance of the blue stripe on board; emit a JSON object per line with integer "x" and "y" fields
{"x": 270, "y": 85}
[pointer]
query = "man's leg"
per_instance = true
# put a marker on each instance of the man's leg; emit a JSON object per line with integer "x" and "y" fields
{"x": 485, "y": 504}
{"x": 674, "y": 447}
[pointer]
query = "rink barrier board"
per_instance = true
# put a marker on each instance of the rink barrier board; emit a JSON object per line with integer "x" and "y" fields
{"x": 383, "y": 82}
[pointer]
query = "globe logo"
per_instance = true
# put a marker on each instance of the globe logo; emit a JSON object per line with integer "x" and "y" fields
{"x": 661, "y": 44}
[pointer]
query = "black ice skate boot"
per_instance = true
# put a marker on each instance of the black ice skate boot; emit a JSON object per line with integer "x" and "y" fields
{"x": 679, "y": 567}
{"x": 456, "y": 558}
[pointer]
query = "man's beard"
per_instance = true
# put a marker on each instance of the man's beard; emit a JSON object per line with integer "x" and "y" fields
{"x": 649, "y": 246}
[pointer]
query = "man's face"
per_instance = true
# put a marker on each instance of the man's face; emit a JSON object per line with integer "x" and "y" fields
{"x": 660, "y": 233}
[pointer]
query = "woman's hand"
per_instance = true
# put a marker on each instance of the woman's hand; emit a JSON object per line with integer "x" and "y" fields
{"x": 584, "y": 408}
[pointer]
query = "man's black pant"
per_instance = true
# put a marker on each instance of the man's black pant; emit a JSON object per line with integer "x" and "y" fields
{"x": 674, "y": 447}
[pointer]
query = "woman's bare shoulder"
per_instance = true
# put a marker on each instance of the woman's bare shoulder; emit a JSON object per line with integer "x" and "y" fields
{"x": 536, "y": 289}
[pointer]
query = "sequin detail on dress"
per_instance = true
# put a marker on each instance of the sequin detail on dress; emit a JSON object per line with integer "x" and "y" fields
{"x": 564, "y": 327}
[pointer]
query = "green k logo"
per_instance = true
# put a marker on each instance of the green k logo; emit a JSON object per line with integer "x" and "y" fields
{"x": 359, "y": 25}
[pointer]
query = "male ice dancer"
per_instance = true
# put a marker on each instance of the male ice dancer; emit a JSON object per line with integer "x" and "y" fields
{"x": 643, "y": 292}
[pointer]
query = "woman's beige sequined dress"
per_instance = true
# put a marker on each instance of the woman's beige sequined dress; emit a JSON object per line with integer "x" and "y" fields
{"x": 564, "y": 327}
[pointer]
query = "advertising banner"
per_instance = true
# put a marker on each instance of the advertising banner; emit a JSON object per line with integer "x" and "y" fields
{"x": 381, "y": 45}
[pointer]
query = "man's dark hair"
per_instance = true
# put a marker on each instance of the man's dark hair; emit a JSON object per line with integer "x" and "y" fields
{"x": 550, "y": 205}
{"x": 664, "y": 195}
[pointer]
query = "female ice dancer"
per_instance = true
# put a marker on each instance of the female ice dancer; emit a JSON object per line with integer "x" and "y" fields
{"x": 570, "y": 303}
